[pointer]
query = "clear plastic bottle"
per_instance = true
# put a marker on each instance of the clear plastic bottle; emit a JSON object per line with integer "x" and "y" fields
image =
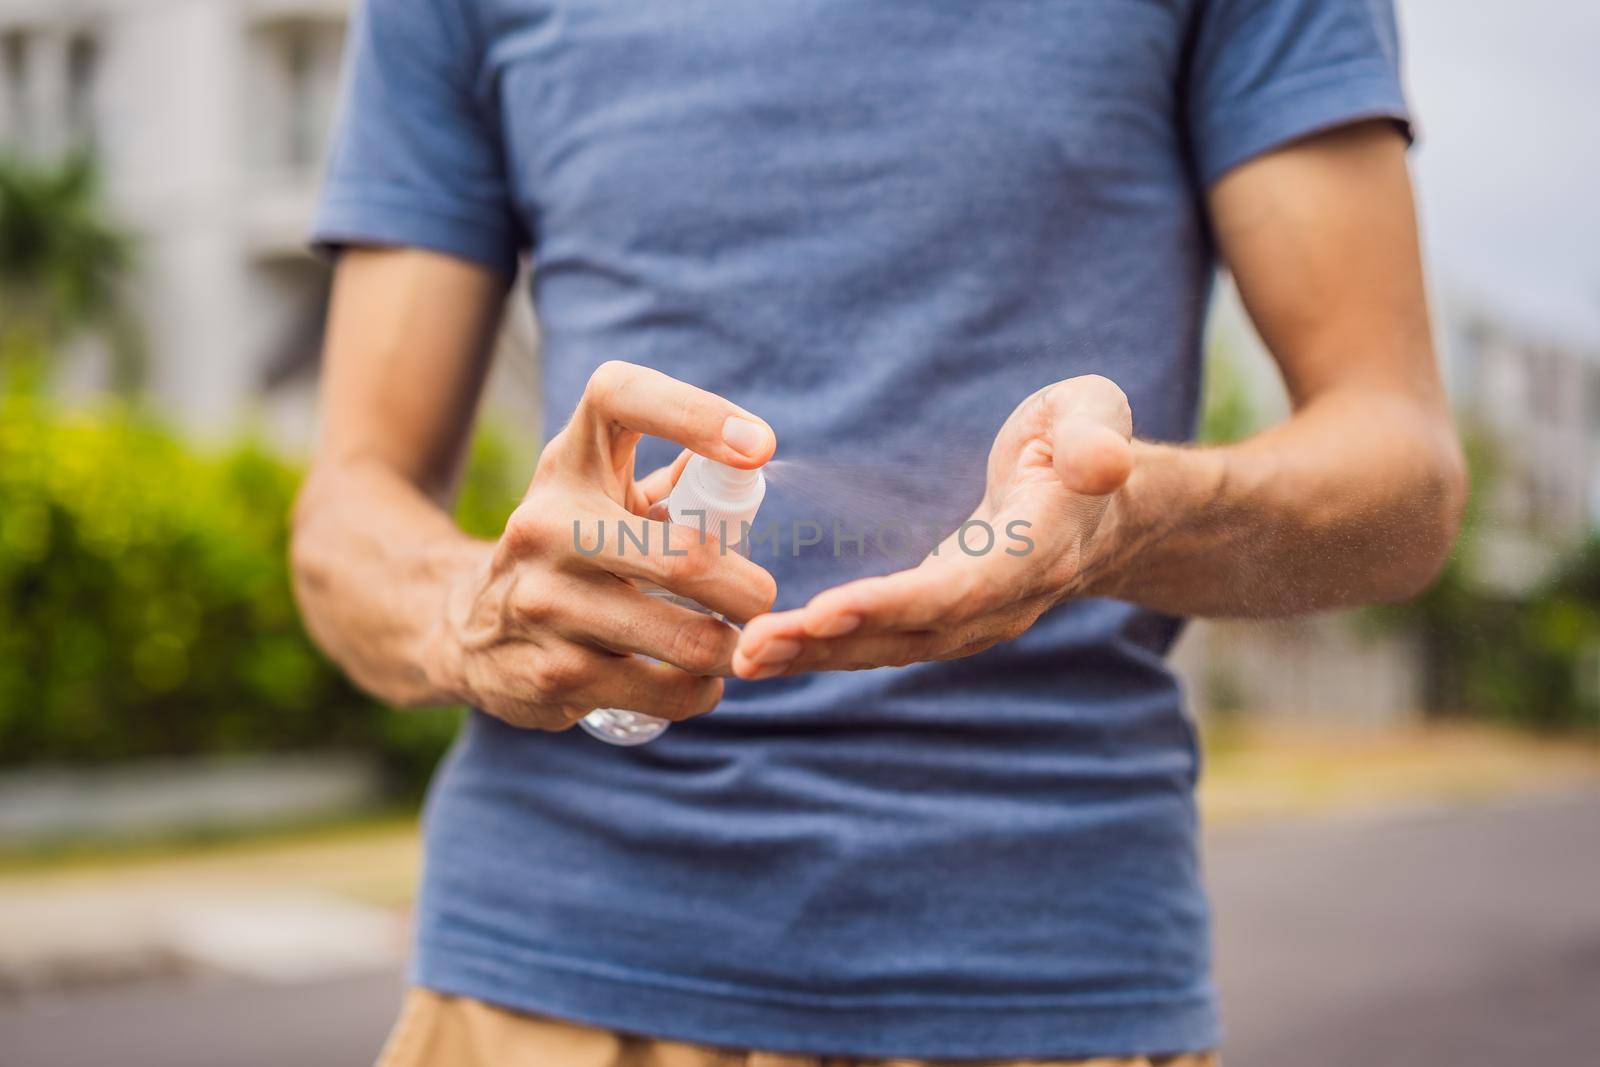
{"x": 709, "y": 496}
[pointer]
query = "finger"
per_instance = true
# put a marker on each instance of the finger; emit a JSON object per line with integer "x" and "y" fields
{"x": 781, "y": 655}
{"x": 771, "y": 627}
{"x": 679, "y": 559}
{"x": 962, "y": 581}
{"x": 628, "y": 399}
{"x": 638, "y": 684}
{"x": 619, "y": 618}
{"x": 907, "y": 600}
{"x": 772, "y": 638}
{"x": 650, "y": 492}
{"x": 1090, "y": 431}
{"x": 779, "y": 648}
{"x": 938, "y": 592}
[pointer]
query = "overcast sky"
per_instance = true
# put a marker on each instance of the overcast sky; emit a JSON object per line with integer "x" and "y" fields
{"x": 1507, "y": 94}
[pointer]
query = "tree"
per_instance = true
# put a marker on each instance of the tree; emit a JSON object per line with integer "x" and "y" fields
{"x": 63, "y": 267}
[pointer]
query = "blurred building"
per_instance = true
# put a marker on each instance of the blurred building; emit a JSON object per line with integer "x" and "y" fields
{"x": 209, "y": 119}
{"x": 1535, "y": 406}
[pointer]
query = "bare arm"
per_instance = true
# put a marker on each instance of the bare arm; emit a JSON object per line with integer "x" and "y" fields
{"x": 1355, "y": 498}
{"x": 374, "y": 551}
{"x": 525, "y": 627}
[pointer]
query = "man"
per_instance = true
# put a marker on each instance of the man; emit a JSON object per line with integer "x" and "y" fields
{"x": 866, "y": 228}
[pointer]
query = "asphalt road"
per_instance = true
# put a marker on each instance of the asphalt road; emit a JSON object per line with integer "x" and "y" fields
{"x": 1450, "y": 939}
{"x": 1457, "y": 939}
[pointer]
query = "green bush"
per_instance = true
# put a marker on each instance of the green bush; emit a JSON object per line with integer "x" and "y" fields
{"x": 1529, "y": 658}
{"x": 1528, "y": 661}
{"x": 1548, "y": 670}
{"x": 145, "y": 606}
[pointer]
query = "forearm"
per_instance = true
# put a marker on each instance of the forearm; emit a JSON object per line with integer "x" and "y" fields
{"x": 374, "y": 562}
{"x": 1355, "y": 499}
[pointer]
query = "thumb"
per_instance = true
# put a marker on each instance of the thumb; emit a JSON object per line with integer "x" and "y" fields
{"x": 1091, "y": 428}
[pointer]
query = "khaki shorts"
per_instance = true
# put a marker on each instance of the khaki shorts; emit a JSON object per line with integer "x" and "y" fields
{"x": 435, "y": 1030}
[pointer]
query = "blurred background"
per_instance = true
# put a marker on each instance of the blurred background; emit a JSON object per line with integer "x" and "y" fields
{"x": 207, "y": 837}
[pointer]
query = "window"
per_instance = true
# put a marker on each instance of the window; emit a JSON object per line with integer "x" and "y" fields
{"x": 83, "y": 67}
{"x": 14, "y": 81}
{"x": 299, "y": 68}
{"x": 295, "y": 66}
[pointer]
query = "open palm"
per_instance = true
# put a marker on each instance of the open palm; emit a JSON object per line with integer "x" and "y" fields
{"x": 1053, "y": 470}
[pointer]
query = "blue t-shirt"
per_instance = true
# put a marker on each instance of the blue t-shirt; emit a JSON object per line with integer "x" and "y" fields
{"x": 880, "y": 224}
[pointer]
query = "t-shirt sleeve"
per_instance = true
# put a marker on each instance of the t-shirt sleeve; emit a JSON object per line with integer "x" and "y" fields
{"x": 1264, "y": 73}
{"x": 417, "y": 158}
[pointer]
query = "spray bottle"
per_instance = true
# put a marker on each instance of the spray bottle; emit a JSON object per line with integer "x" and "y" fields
{"x": 709, "y": 496}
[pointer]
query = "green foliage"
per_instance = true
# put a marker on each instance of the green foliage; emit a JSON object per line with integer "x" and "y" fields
{"x": 1549, "y": 679}
{"x": 63, "y": 264}
{"x": 1526, "y": 660}
{"x": 497, "y": 474}
{"x": 145, "y": 604}
{"x": 1226, "y": 411}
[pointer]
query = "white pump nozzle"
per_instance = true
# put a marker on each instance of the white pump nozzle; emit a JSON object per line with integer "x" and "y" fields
{"x": 716, "y": 497}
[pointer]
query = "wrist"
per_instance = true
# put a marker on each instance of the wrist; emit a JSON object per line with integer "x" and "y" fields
{"x": 442, "y": 653}
{"x": 1167, "y": 488}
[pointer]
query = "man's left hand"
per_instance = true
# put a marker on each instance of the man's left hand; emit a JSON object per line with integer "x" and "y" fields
{"x": 1055, "y": 468}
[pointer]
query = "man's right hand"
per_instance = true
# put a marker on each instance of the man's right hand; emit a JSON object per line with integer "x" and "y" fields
{"x": 541, "y": 633}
